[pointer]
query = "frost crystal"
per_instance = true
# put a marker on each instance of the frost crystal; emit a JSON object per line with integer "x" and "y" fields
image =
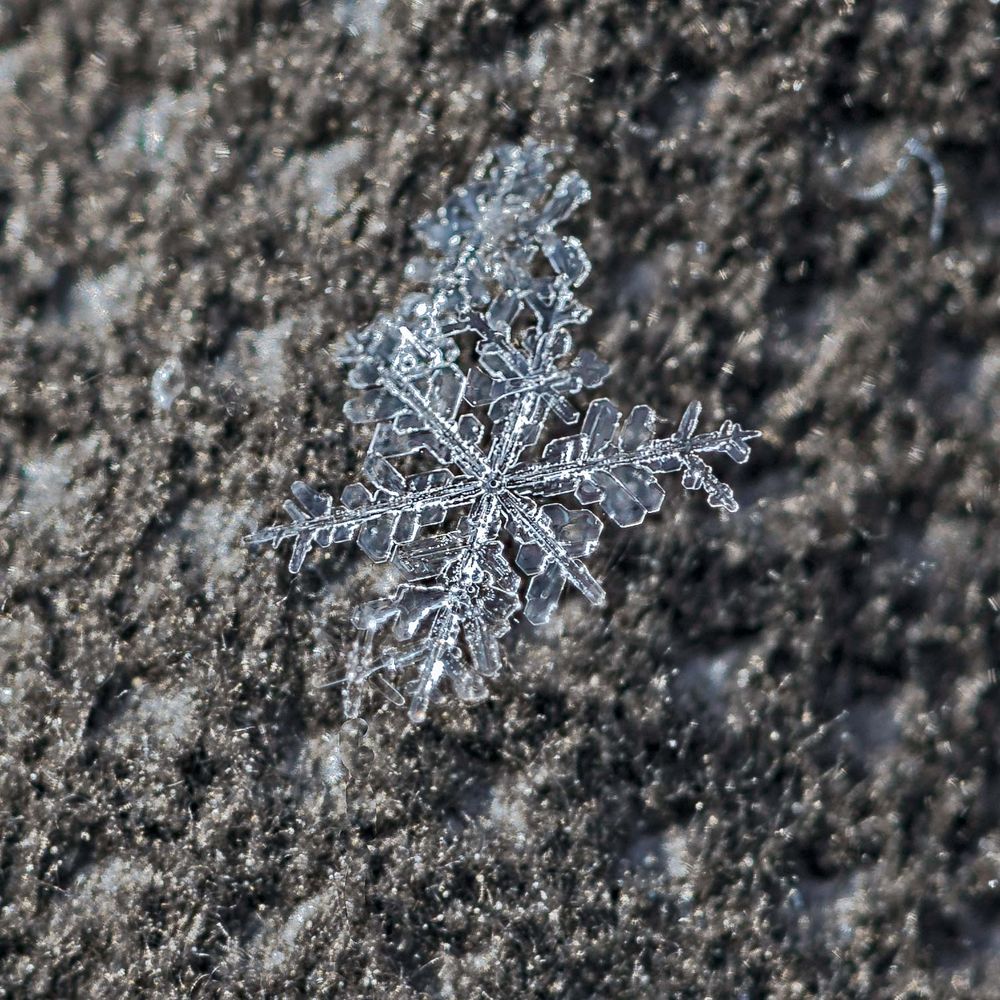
{"x": 500, "y": 273}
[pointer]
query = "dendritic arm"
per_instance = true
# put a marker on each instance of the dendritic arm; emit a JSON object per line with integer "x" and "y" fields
{"x": 617, "y": 468}
{"x": 553, "y": 542}
{"x": 399, "y": 508}
{"x": 473, "y": 596}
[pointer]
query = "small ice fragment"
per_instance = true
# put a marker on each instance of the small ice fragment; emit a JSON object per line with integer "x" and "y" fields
{"x": 167, "y": 383}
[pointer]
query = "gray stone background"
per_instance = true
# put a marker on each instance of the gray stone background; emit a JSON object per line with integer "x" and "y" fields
{"x": 769, "y": 767}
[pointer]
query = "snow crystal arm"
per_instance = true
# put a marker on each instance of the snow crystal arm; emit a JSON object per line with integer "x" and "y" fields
{"x": 548, "y": 558}
{"x": 510, "y": 372}
{"x": 618, "y": 468}
{"x": 432, "y": 660}
{"x": 524, "y": 383}
{"x": 418, "y": 414}
{"x": 514, "y": 372}
{"x": 438, "y": 657}
{"x": 393, "y": 515}
{"x": 473, "y": 592}
{"x": 451, "y": 443}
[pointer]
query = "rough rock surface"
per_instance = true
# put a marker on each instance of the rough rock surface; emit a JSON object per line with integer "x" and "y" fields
{"x": 769, "y": 767}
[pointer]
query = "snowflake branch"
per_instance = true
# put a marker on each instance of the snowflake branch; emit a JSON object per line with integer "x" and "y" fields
{"x": 592, "y": 459}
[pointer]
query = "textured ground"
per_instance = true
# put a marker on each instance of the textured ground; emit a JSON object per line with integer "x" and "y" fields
{"x": 769, "y": 767}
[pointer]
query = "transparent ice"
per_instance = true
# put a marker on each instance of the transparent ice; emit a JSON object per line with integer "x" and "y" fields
{"x": 478, "y": 510}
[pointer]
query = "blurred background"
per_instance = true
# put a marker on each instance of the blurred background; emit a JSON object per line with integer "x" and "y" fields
{"x": 768, "y": 767}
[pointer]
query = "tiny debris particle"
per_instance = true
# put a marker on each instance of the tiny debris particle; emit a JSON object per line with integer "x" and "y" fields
{"x": 168, "y": 383}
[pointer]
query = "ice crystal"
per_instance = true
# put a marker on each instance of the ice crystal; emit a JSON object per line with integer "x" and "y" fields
{"x": 913, "y": 149}
{"x": 485, "y": 510}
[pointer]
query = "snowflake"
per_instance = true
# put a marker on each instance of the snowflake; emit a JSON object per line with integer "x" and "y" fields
{"x": 504, "y": 276}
